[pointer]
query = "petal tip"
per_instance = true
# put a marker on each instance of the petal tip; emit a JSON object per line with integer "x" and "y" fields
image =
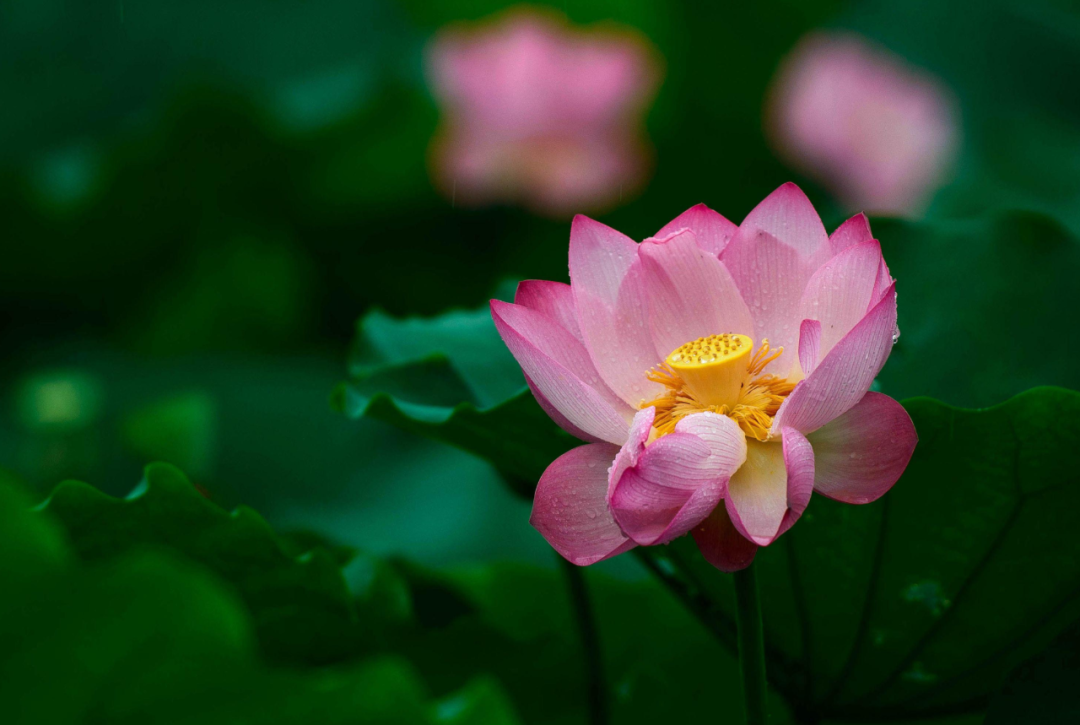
{"x": 497, "y": 307}
{"x": 581, "y": 220}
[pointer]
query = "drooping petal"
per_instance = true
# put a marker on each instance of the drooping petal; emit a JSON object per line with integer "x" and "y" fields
{"x": 678, "y": 480}
{"x": 790, "y": 217}
{"x": 554, "y": 299}
{"x": 840, "y": 292}
{"x": 608, "y": 285}
{"x": 809, "y": 345}
{"x": 845, "y": 374}
{"x": 570, "y": 507}
{"x": 721, "y": 543}
{"x": 771, "y": 277}
{"x": 861, "y": 454}
{"x": 547, "y": 356}
{"x": 855, "y": 230}
{"x": 690, "y": 292}
{"x": 710, "y": 228}
{"x": 770, "y": 491}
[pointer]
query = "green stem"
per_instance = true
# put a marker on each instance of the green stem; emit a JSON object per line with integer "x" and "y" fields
{"x": 590, "y": 642}
{"x": 751, "y": 646}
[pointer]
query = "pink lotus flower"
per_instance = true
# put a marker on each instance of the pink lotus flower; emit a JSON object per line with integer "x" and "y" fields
{"x": 881, "y": 134}
{"x": 720, "y": 374}
{"x": 540, "y": 113}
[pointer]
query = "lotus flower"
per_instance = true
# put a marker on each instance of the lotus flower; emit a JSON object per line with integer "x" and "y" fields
{"x": 880, "y": 134}
{"x": 540, "y": 113}
{"x": 720, "y": 375}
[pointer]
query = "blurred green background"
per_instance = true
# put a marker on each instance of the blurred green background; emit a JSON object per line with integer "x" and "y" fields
{"x": 198, "y": 200}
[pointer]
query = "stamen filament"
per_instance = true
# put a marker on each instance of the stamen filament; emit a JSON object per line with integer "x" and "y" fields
{"x": 752, "y": 404}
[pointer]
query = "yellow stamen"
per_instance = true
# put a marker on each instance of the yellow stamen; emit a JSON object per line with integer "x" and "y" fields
{"x": 719, "y": 374}
{"x": 763, "y": 357}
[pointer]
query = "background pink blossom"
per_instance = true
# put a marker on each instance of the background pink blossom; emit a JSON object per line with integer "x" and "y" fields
{"x": 541, "y": 113}
{"x": 880, "y": 133}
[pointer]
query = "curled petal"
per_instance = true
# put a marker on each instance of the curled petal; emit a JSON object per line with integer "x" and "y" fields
{"x": 861, "y": 454}
{"x": 840, "y": 292}
{"x": 809, "y": 345}
{"x": 557, "y": 365}
{"x": 768, "y": 494}
{"x": 570, "y": 507}
{"x": 553, "y": 299}
{"x": 691, "y": 294}
{"x": 711, "y": 230}
{"x": 678, "y": 480}
{"x": 799, "y": 464}
{"x": 631, "y": 450}
{"x": 845, "y": 374}
{"x": 721, "y": 543}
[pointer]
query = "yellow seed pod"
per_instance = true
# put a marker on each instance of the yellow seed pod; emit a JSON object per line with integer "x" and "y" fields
{"x": 714, "y": 368}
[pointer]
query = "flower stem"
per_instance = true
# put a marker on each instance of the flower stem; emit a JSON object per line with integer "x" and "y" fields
{"x": 590, "y": 642}
{"x": 751, "y": 646}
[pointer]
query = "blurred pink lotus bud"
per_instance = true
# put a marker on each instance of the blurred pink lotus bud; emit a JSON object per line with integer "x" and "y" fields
{"x": 540, "y": 113}
{"x": 880, "y": 133}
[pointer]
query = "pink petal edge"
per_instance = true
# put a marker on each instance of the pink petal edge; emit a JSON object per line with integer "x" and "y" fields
{"x": 841, "y": 292}
{"x": 861, "y": 454}
{"x": 710, "y": 228}
{"x": 570, "y": 506}
{"x": 845, "y": 374}
{"x": 600, "y": 257}
{"x": 560, "y": 420}
{"x": 554, "y": 299}
{"x": 788, "y": 215}
{"x": 853, "y": 231}
{"x": 586, "y": 408}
